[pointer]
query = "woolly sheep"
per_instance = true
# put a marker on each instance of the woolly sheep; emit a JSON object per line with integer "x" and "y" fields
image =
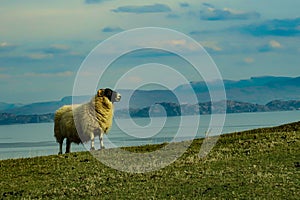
{"x": 81, "y": 123}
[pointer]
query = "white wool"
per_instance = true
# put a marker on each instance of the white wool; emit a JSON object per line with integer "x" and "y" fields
{"x": 92, "y": 119}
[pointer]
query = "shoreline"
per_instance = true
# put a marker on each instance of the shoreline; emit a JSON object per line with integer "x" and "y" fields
{"x": 81, "y": 148}
{"x": 49, "y": 117}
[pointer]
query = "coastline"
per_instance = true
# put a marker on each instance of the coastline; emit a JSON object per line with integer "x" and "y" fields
{"x": 30, "y": 140}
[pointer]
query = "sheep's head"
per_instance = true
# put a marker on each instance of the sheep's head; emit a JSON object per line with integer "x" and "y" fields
{"x": 113, "y": 96}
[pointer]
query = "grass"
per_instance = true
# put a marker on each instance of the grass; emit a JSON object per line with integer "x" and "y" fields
{"x": 256, "y": 164}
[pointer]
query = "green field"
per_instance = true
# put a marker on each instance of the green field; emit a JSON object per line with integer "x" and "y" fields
{"x": 256, "y": 164}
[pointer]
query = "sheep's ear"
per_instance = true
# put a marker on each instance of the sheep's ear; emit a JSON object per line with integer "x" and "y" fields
{"x": 100, "y": 92}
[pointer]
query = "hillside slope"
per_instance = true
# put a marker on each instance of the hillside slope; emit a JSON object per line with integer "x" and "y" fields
{"x": 256, "y": 164}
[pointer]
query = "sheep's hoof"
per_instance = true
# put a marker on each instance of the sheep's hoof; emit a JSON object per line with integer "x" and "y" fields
{"x": 59, "y": 153}
{"x": 92, "y": 148}
{"x": 101, "y": 148}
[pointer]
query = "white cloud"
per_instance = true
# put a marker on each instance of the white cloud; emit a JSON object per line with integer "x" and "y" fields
{"x": 177, "y": 44}
{"x": 249, "y": 60}
{"x": 155, "y": 8}
{"x": 213, "y": 45}
{"x": 214, "y": 14}
{"x": 275, "y": 44}
{"x": 135, "y": 79}
{"x": 58, "y": 74}
{"x": 5, "y": 46}
{"x": 272, "y": 45}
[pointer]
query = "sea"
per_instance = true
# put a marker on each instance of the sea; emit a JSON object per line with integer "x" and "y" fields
{"x": 31, "y": 140}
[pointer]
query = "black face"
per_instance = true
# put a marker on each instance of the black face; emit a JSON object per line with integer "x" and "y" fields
{"x": 112, "y": 95}
{"x": 108, "y": 93}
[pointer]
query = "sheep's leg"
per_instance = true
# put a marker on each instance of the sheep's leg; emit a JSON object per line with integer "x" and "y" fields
{"x": 101, "y": 140}
{"x": 68, "y": 147}
{"x": 92, "y": 142}
{"x": 60, "y": 141}
{"x": 60, "y": 146}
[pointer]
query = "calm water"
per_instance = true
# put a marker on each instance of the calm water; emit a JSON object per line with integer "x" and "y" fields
{"x": 29, "y": 140}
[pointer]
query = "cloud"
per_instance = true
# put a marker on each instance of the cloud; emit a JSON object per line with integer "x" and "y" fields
{"x": 38, "y": 75}
{"x": 58, "y": 74}
{"x": 155, "y": 8}
{"x": 211, "y": 45}
{"x": 56, "y": 49}
{"x": 208, "y": 5}
{"x": 195, "y": 32}
{"x": 249, "y": 60}
{"x": 173, "y": 16}
{"x": 271, "y": 46}
{"x": 275, "y": 44}
{"x": 45, "y": 53}
{"x": 277, "y": 27}
{"x": 39, "y": 56}
{"x": 110, "y": 29}
{"x": 184, "y": 5}
{"x": 49, "y": 52}
{"x": 4, "y": 46}
{"x": 177, "y": 44}
{"x": 135, "y": 79}
{"x": 213, "y": 14}
{"x": 150, "y": 53}
{"x": 94, "y": 1}
{"x": 202, "y": 32}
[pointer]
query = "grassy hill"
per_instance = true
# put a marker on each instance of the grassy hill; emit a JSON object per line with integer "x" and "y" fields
{"x": 261, "y": 164}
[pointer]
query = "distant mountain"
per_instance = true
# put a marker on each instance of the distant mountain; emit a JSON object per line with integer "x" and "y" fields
{"x": 256, "y": 90}
{"x": 167, "y": 109}
{"x": 173, "y": 109}
{"x": 44, "y": 107}
{"x": 283, "y": 105}
{"x": 8, "y": 118}
{"x": 144, "y": 98}
{"x": 7, "y": 106}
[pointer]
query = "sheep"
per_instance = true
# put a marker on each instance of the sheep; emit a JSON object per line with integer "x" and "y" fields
{"x": 81, "y": 123}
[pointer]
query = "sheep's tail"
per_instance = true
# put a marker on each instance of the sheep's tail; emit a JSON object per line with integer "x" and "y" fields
{"x": 58, "y": 115}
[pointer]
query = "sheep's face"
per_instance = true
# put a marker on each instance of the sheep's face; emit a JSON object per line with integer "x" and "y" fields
{"x": 113, "y": 96}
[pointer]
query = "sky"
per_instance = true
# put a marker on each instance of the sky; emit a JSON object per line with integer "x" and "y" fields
{"x": 44, "y": 43}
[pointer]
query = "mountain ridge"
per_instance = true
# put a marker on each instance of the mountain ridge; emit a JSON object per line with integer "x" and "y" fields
{"x": 167, "y": 109}
{"x": 256, "y": 90}
{"x": 173, "y": 109}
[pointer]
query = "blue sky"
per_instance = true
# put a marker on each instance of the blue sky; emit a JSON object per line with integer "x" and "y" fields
{"x": 43, "y": 43}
